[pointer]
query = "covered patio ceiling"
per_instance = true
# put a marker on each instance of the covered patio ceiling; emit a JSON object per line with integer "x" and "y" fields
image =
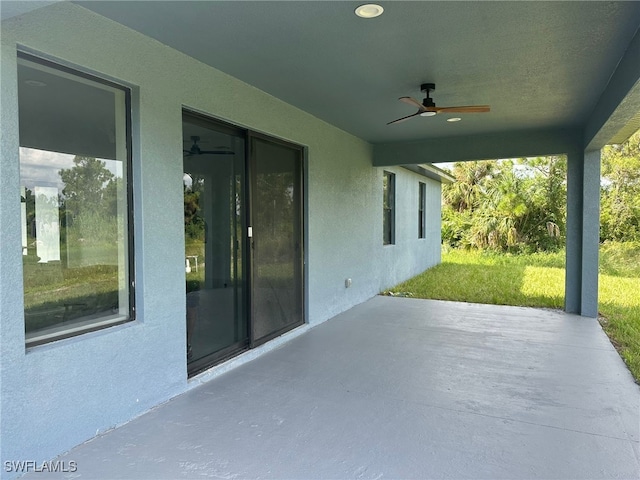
{"x": 541, "y": 66}
{"x": 571, "y": 68}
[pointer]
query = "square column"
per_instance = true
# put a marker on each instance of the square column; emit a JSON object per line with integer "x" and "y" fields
{"x": 583, "y": 233}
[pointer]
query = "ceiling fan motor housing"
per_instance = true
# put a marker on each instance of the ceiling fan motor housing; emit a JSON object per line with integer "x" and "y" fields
{"x": 428, "y": 88}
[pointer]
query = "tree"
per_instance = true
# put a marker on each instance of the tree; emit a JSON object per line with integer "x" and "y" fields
{"x": 521, "y": 205}
{"x": 504, "y": 210}
{"x": 193, "y": 223}
{"x": 461, "y": 199}
{"x": 506, "y": 205}
{"x": 620, "y": 192}
{"x": 469, "y": 187}
{"x": 87, "y": 186}
{"x": 546, "y": 196}
{"x": 90, "y": 201}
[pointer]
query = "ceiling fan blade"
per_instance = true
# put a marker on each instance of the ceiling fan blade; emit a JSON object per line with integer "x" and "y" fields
{"x": 405, "y": 118}
{"x": 217, "y": 152}
{"x": 467, "y": 109}
{"x": 413, "y": 102}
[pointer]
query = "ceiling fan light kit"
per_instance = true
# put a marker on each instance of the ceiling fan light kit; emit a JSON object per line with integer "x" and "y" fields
{"x": 428, "y": 107}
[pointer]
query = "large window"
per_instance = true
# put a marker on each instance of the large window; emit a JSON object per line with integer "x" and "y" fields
{"x": 388, "y": 208}
{"x": 422, "y": 195}
{"x": 76, "y": 201}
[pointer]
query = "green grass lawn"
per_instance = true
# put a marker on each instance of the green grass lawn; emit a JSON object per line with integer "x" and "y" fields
{"x": 84, "y": 282}
{"x": 537, "y": 280}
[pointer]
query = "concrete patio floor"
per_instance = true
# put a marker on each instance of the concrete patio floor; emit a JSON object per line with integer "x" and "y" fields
{"x": 398, "y": 388}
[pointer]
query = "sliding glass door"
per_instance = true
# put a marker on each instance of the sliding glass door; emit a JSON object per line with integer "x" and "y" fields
{"x": 214, "y": 219}
{"x": 243, "y": 239}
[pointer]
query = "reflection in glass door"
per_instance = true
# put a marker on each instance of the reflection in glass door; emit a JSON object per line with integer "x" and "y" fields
{"x": 213, "y": 182}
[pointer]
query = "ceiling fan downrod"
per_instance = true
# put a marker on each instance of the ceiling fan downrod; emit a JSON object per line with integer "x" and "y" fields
{"x": 428, "y": 88}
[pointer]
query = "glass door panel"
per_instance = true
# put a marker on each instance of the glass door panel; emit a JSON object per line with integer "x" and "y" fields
{"x": 213, "y": 181}
{"x": 276, "y": 220}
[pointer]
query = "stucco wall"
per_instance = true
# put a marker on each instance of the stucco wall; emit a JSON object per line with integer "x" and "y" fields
{"x": 410, "y": 255}
{"x": 58, "y": 395}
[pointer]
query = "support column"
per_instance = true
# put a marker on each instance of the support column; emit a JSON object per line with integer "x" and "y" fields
{"x": 583, "y": 233}
{"x": 590, "y": 234}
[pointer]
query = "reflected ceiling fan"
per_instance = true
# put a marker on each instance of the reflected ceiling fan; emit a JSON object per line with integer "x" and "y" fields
{"x": 195, "y": 149}
{"x": 428, "y": 108}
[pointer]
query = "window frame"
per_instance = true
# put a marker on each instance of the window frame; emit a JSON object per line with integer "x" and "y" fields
{"x": 98, "y": 324}
{"x": 388, "y": 208}
{"x": 422, "y": 210}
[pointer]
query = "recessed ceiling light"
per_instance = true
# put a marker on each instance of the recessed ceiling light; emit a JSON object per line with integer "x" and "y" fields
{"x": 369, "y": 10}
{"x": 35, "y": 83}
{"x": 454, "y": 119}
{"x": 428, "y": 114}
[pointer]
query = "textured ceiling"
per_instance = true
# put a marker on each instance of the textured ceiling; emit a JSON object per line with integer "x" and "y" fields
{"x": 13, "y": 8}
{"x": 538, "y": 64}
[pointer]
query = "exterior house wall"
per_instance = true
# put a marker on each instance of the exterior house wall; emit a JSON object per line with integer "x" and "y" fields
{"x": 410, "y": 255}
{"x": 57, "y": 395}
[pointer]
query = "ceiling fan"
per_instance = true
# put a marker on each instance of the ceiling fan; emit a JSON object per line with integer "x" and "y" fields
{"x": 195, "y": 149}
{"x": 428, "y": 108}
